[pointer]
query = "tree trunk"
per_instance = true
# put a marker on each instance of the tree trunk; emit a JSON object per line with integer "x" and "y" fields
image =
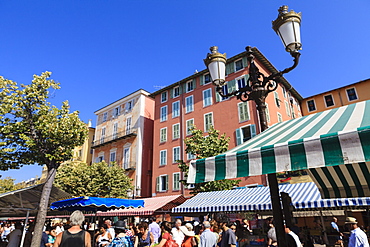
{"x": 44, "y": 203}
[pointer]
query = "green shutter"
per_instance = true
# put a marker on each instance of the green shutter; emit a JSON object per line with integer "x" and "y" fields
{"x": 231, "y": 86}
{"x": 201, "y": 80}
{"x": 229, "y": 68}
{"x": 181, "y": 88}
{"x": 253, "y": 130}
{"x": 238, "y": 137}
{"x": 166, "y": 182}
{"x": 171, "y": 93}
{"x": 245, "y": 62}
{"x": 194, "y": 83}
{"x": 157, "y": 184}
{"x": 217, "y": 95}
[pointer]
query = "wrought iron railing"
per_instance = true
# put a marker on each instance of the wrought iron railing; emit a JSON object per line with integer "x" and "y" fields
{"x": 116, "y": 136}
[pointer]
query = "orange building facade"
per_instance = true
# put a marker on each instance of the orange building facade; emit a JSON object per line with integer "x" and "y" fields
{"x": 337, "y": 97}
{"x": 194, "y": 101}
{"x": 124, "y": 134}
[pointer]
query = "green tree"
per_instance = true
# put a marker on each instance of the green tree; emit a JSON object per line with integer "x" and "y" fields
{"x": 7, "y": 184}
{"x": 203, "y": 147}
{"x": 98, "y": 179}
{"x": 32, "y": 131}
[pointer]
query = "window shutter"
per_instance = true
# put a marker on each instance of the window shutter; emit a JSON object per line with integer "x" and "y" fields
{"x": 231, "y": 86}
{"x": 253, "y": 130}
{"x": 201, "y": 79}
{"x": 217, "y": 95}
{"x": 245, "y": 62}
{"x": 194, "y": 83}
{"x": 171, "y": 93}
{"x": 246, "y": 77}
{"x": 181, "y": 87}
{"x": 238, "y": 137}
{"x": 229, "y": 68}
{"x": 166, "y": 182}
{"x": 157, "y": 184}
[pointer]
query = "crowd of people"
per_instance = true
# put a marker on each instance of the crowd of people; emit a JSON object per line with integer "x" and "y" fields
{"x": 149, "y": 233}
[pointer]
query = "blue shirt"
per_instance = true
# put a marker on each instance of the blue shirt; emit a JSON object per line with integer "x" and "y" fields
{"x": 358, "y": 239}
{"x": 208, "y": 239}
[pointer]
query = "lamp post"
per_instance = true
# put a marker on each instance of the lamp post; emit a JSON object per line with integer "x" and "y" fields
{"x": 258, "y": 86}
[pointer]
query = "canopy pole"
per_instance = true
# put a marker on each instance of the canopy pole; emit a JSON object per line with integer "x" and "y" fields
{"x": 323, "y": 228}
{"x": 24, "y": 229}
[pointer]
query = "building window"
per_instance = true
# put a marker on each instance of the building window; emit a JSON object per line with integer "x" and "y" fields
{"x": 241, "y": 82}
{"x": 207, "y": 78}
{"x": 287, "y": 108}
{"x": 102, "y": 137}
{"x": 128, "y": 125}
{"x": 112, "y": 157}
{"x": 311, "y": 105}
{"x": 280, "y": 118}
{"x": 189, "y": 104}
{"x": 105, "y": 116}
{"x": 245, "y": 133}
{"x": 243, "y": 110}
{"x": 100, "y": 158}
{"x": 329, "y": 101}
{"x": 162, "y": 183}
{"x": 117, "y": 111}
{"x": 163, "y": 158}
{"x": 176, "y": 181}
{"x": 277, "y": 100}
{"x": 115, "y": 130}
{"x": 267, "y": 113}
{"x": 175, "y": 109}
{"x": 189, "y": 126}
{"x": 351, "y": 93}
{"x": 163, "y": 113}
{"x": 176, "y": 91}
{"x": 191, "y": 156}
{"x": 207, "y": 97}
{"x": 176, "y": 131}
{"x": 239, "y": 65}
{"x": 176, "y": 154}
{"x": 126, "y": 158}
{"x": 208, "y": 121}
{"x": 129, "y": 105}
{"x": 284, "y": 91}
{"x": 164, "y": 97}
{"x": 225, "y": 91}
{"x": 163, "y": 135}
{"x": 189, "y": 86}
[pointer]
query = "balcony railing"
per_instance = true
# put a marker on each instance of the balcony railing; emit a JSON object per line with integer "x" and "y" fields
{"x": 115, "y": 137}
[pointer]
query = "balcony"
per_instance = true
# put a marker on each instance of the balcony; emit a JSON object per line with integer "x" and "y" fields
{"x": 129, "y": 166}
{"x": 115, "y": 137}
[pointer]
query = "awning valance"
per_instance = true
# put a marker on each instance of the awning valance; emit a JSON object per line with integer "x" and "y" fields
{"x": 151, "y": 205}
{"x": 334, "y": 137}
{"x": 304, "y": 196}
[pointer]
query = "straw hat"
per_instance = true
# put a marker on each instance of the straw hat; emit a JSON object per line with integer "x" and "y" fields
{"x": 187, "y": 232}
{"x": 189, "y": 226}
{"x": 350, "y": 220}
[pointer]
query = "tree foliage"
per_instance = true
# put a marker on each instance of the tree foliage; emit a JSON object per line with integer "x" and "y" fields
{"x": 7, "y": 184}
{"x": 32, "y": 131}
{"x": 98, "y": 179}
{"x": 203, "y": 147}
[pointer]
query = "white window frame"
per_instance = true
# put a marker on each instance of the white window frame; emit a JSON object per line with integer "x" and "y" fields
{"x": 105, "y": 117}
{"x": 284, "y": 91}
{"x": 163, "y": 135}
{"x": 355, "y": 93}
{"x": 176, "y": 184}
{"x": 239, "y": 79}
{"x": 177, "y": 136}
{"x": 128, "y": 125}
{"x": 191, "y": 156}
{"x": 102, "y": 134}
{"x": 159, "y": 185}
{"x": 205, "y": 82}
{"x": 205, "y": 124}
{"x": 287, "y": 108}
{"x": 188, "y": 133}
{"x": 163, "y": 157}
{"x": 189, "y": 107}
{"x": 252, "y": 131}
{"x": 207, "y": 101}
{"x": 239, "y": 113}
{"x": 164, "y": 93}
{"x": 174, "y": 155}
{"x": 176, "y": 112}
{"x": 129, "y": 105}
{"x": 308, "y": 108}
{"x": 163, "y": 113}
{"x": 100, "y": 157}
{"x": 268, "y": 119}
{"x": 187, "y": 86}
{"x": 110, "y": 156}
{"x": 126, "y": 158}
{"x": 277, "y": 99}
{"x": 331, "y": 95}
{"x": 174, "y": 90}
{"x": 279, "y": 117}
{"x": 236, "y": 69}
{"x": 115, "y": 130}
{"x": 116, "y": 111}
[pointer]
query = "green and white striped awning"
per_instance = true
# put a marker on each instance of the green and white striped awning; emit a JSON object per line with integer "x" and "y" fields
{"x": 330, "y": 138}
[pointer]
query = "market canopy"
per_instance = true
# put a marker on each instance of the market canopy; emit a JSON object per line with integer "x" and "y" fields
{"x": 321, "y": 140}
{"x": 93, "y": 204}
{"x": 16, "y": 203}
{"x": 305, "y": 196}
{"x": 152, "y": 205}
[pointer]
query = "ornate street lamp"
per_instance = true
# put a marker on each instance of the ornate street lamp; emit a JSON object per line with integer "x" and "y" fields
{"x": 258, "y": 86}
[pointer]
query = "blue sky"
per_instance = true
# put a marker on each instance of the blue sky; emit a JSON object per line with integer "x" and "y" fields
{"x": 101, "y": 50}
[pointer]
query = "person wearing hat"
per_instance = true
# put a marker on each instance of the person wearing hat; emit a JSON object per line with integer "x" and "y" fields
{"x": 121, "y": 239}
{"x": 189, "y": 235}
{"x": 357, "y": 238}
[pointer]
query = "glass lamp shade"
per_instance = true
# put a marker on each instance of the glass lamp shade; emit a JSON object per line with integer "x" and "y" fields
{"x": 287, "y": 26}
{"x": 216, "y": 63}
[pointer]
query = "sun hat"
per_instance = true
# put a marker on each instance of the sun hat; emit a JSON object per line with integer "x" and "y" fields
{"x": 189, "y": 226}
{"x": 351, "y": 220}
{"x": 120, "y": 225}
{"x": 187, "y": 232}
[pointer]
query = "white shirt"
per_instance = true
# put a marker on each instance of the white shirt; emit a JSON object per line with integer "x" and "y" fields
{"x": 112, "y": 232}
{"x": 177, "y": 235}
{"x": 358, "y": 238}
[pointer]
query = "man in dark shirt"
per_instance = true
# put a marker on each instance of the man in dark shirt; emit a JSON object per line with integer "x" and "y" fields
{"x": 228, "y": 238}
